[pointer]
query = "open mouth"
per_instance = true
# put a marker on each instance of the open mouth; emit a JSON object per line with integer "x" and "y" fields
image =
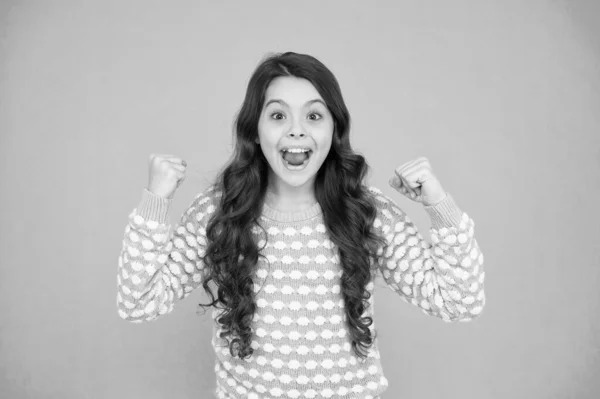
{"x": 295, "y": 160}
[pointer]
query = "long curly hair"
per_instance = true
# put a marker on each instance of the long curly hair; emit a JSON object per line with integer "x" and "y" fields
{"x": 348, "y": 209}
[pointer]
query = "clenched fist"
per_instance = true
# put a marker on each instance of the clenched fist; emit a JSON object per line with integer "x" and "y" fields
{"x": 166, "y": 173}
{"x": 415, "y": 179}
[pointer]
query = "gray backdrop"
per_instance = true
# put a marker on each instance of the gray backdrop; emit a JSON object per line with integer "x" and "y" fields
{"x": 503, "y": 98}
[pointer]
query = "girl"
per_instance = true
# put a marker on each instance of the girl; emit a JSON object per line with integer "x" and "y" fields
{"x": 293, "y": 240}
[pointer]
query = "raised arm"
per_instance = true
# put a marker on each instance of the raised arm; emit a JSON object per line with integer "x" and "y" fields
{"x": 157, "y": 268}
{"x": 444, "y": 278}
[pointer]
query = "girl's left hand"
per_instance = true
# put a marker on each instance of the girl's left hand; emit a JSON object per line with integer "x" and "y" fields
{"x": 416, "y": 181}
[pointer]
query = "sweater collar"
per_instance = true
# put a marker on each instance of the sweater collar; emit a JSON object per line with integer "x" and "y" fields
{"x": 270, "y": 212}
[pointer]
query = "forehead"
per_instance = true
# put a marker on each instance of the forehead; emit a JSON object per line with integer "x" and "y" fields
{"x": 293, "y": 90}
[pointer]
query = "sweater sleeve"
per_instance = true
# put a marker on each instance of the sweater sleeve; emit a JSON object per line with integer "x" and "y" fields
{"x": 443, "y": 278}
{"x": 157, "y": 267}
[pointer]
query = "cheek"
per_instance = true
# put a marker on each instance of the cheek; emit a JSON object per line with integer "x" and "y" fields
{"x": 267, "y": 140}
{"x": 269, "y": 132}
{"x": 326, "y": 140}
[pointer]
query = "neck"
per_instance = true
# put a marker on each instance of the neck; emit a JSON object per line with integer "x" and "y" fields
{"x": 290, "y": 202}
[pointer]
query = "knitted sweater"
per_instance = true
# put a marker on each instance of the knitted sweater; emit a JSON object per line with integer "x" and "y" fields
{"x": 302, "y": 348}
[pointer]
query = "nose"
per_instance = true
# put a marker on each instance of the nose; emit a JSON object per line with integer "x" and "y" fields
{"x": 293, "y": 133}
{"x": 296, "y": 129}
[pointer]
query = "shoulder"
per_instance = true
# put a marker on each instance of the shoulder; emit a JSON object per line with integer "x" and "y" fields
{"x": 381, "y": 199}
{"x": 387, "y": 208}
{"x": 377, "y": 194}
{"x": 204, "y": 203}
{"x": 209, "y": 194}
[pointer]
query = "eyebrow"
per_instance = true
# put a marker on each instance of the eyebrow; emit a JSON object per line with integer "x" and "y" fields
{"x": 276, "y": 100}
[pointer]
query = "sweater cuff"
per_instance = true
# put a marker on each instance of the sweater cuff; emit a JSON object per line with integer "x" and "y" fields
{"x": 154, "y": 207}
{"x": 445, "y": 213}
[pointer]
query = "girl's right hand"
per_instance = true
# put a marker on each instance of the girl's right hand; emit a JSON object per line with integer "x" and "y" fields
{"x": 166, "y": 173}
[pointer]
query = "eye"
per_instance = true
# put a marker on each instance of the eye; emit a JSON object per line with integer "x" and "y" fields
{"x": 315, "y": 113}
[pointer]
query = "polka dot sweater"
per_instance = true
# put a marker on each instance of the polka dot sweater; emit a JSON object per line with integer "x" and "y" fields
{"x": 302, "y": 347}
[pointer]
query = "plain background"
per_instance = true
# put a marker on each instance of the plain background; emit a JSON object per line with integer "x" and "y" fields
{"x": 503, "y": 98}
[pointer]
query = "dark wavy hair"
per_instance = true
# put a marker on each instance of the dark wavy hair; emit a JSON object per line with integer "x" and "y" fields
{"x": 348, "y": 209}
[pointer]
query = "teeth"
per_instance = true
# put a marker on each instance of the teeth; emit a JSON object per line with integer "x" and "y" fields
{"x": 297, "y": 150}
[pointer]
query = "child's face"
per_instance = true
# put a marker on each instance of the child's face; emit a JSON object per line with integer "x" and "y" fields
{"x": 291, "y": 119}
